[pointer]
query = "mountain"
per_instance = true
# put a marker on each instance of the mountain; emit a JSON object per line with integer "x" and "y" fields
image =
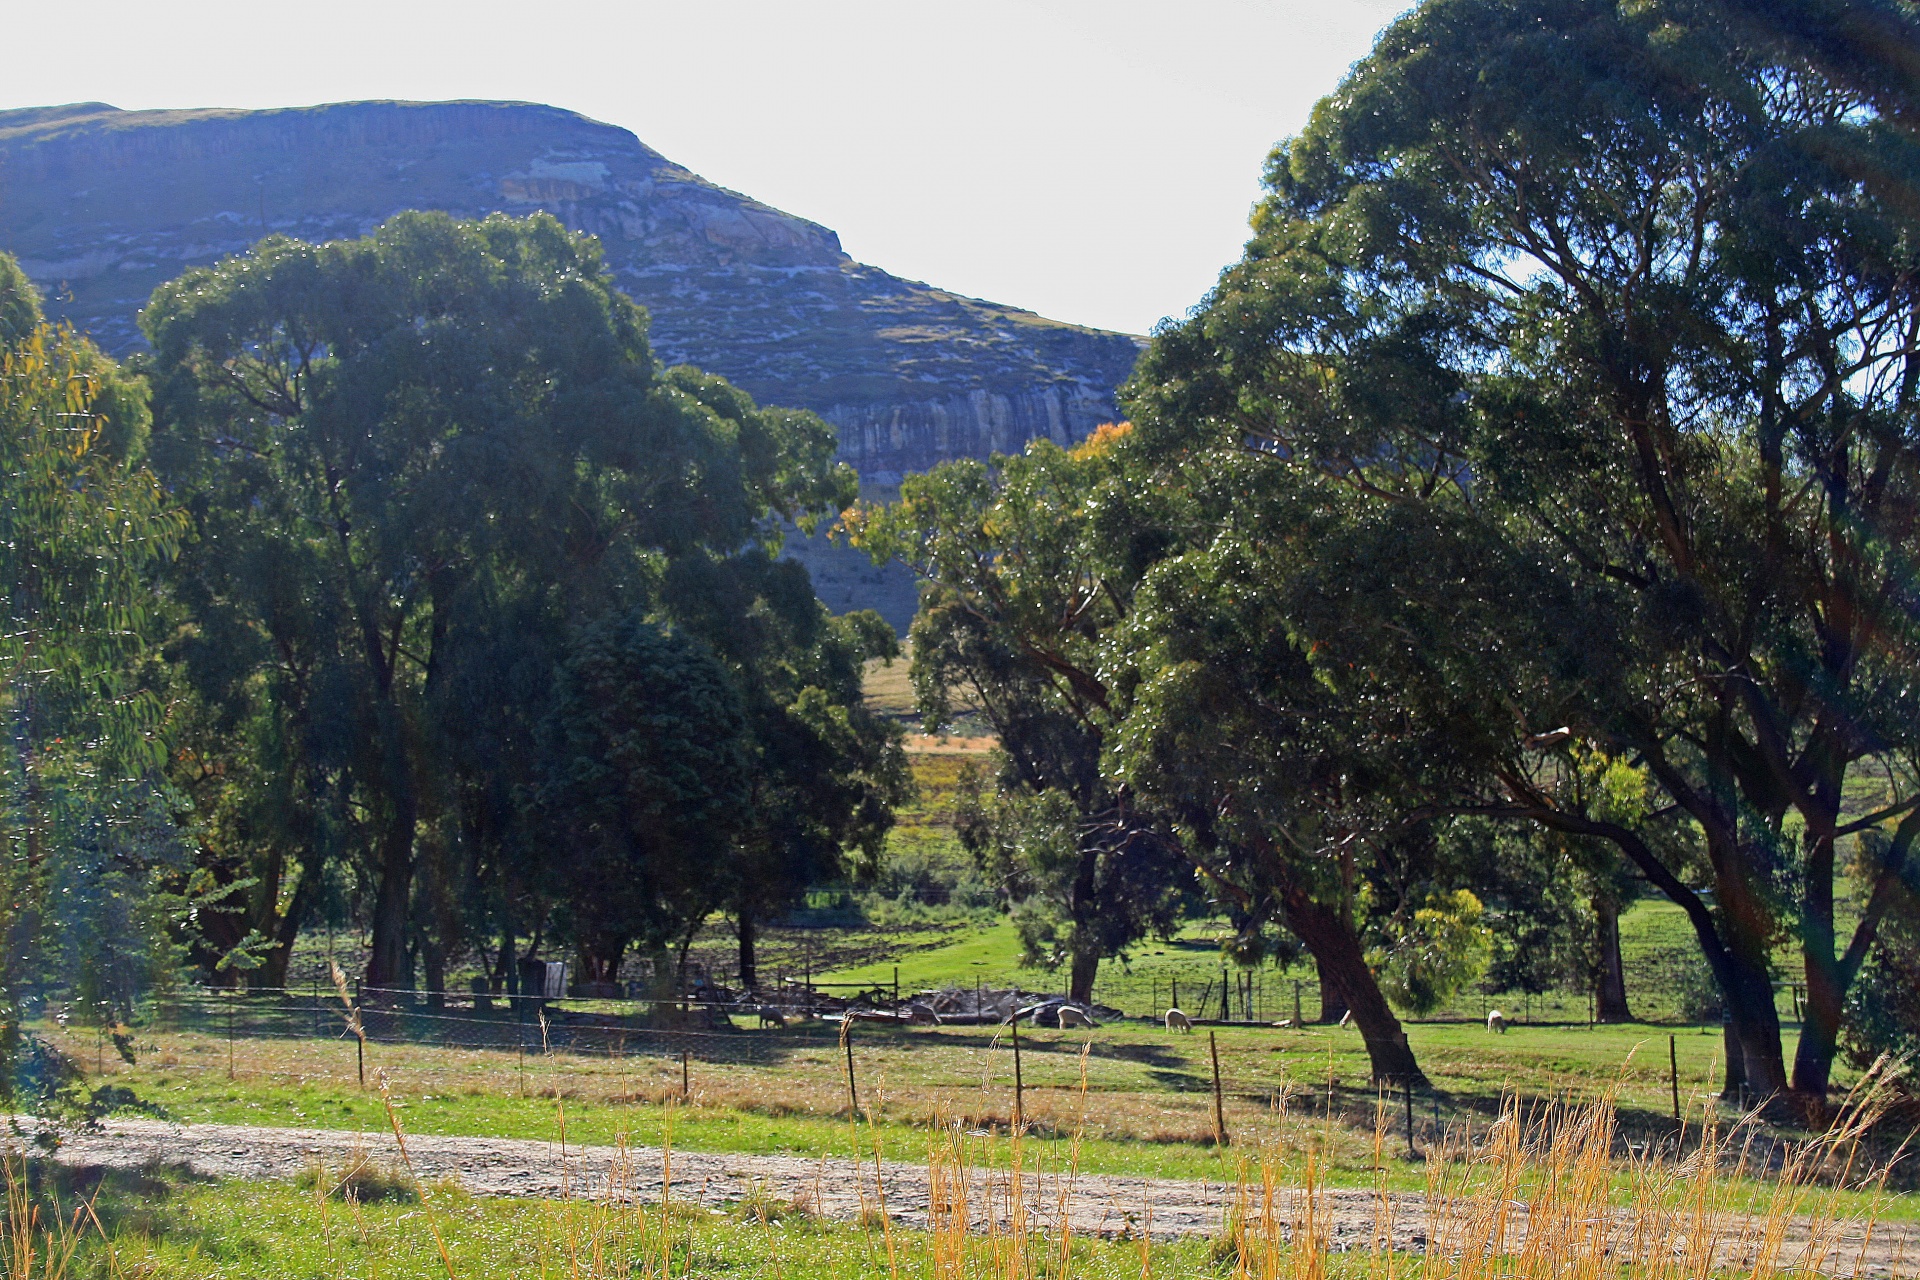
{"x": 102, "y": 205}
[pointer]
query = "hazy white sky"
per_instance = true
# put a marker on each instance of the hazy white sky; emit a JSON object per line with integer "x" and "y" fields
{"x": 1091, "y": 159}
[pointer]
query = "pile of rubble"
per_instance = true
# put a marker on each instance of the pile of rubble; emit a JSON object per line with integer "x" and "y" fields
{"x": 961, "y": 1006}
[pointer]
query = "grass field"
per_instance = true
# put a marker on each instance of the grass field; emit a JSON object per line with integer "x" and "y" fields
{"x": 1146, "y": 1107}
{"x": 1607, "y": 1215}
{"x": 161, "y": 1224}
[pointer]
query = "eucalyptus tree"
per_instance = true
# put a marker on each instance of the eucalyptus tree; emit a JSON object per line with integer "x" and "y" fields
{"x": 392, "y": 446}
{"x": 1615, "y": 363}
{"x": 824, "y": 770}
{"x": 84, "y": 530}
{"x": 1027, "y": 565}
{"x": 645, "y": 786}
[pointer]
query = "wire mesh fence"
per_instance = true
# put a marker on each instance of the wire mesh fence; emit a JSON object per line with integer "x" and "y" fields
{"x": 996, "y": 1069}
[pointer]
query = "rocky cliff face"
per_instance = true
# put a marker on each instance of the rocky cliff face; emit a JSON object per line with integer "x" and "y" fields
{"x": 102, "y": 205}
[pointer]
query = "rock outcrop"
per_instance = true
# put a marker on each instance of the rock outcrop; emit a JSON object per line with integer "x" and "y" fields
{"x": 102, "y": 205}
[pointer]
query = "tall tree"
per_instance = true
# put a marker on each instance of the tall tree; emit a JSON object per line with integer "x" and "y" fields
{"x": 84, "y": 528}
{"x": 646, "y": 786}
{"x": 1574, "y": 296}
{"x": 1027, "y": 564}
{"x": 381, "y": 440}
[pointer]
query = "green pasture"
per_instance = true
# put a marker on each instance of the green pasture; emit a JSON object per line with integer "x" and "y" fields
{"x": 162, "y": 1224}
{"x": 1124, "y": 1099}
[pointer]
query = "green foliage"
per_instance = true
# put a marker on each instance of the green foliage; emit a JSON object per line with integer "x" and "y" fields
{"x": 485, "y": 608}
{"x": 1442, "y": 950}
{"x": 89, "y": 838}
{"x": 1570, "y": 358}
{"x": 1029, "y": 563}
{"x": 645, "y": 785}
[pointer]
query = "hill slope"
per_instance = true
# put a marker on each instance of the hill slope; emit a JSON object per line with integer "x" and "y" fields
{"x": 101, "y": 205}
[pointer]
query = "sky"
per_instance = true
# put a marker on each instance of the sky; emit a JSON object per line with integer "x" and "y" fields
{"x": 1093, "y": 160}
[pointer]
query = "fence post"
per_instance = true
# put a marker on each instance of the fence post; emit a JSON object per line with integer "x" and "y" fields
{"x": 1296, "y": 1002}
{"x": 1219, "y": 1109}
{"x": 1412, "y": 1154}
{"x": 686, "y": 1089}
{"x": 853, "y": 1092}
{"x": 229, "y": 1033}
{"x": 1673, "y": 1069}
{"x": 1019, "y": 1085}
{"x": 896, "y": 985}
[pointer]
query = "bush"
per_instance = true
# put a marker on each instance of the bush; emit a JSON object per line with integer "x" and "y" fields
{"x": 362, "y": 1180}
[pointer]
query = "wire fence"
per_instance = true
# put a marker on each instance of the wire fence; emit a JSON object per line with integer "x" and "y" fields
{"x": 1003, "y": 1069}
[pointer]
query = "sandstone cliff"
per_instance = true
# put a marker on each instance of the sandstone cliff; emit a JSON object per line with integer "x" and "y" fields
{"x": 102, "y": 205}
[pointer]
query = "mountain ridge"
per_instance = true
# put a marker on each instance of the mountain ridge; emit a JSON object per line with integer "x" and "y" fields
{"x": 102, "y": 205}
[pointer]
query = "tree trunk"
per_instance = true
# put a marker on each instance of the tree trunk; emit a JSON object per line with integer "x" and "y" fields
{"x": 507, "y": 980}
{"x": 1333, "y": 1003}
{"x": 597, "y": 958}
{"x": 1336, "y": 950}
{"x": 1754, "y": 1054}
{"x": 1610, "y": 982}
{"x": 387, "y": 963}
{"x": 1733, "y": 1088}
{"x": 272, "y": 973}
{"x": 436, "y": 961}
{"x": 1829, "y": 975}
{"x": 747, "y": 929}
{"x": 1081, "y": 974}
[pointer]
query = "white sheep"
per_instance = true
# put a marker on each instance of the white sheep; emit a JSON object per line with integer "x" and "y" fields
{"x": 1497, "y": 1021}
{"x": 1072, "y": 1017}
{"x": 1179, "y": 1021}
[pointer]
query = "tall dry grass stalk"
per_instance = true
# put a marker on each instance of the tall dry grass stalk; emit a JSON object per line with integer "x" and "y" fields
{"x": 1549, "y": 1192}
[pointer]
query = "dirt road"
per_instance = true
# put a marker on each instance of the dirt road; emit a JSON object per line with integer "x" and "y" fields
{"x": 1094, "y": 1204}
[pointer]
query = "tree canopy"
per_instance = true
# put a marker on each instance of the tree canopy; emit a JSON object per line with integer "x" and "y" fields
{"x": 1610, "y": 358}
{"x": 425, "y": 468}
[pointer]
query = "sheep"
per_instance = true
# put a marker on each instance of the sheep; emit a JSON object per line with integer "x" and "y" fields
{"x": 1284, "y": 1024}
{"x": 1072, "y": 1017}
{"x": 922, "y": 1015}
{"x": 769, "y": 1016}
{"x": 1497, "y": 1021}
{"x": 1179, "y": 1021}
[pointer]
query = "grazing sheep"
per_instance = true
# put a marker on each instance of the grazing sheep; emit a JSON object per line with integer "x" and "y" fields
{"x": 1179, "y": 1021}
{"x": 769, "y": 1016}
{"x": 922, "y": 1015}
{"x": 1497, "y": 1021}
{"x": 1284, "y": 1023}
{"x": 1346, "y": 1019}
{"x": 1072, "y": 1017}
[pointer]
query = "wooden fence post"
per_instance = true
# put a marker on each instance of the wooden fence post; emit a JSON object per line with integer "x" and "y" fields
{"x": 1019, "y": 1085}
{"x": 853, "y": 1093}
{"x": 1219, "y": 1108}
{"x": 1673, "y": 1068}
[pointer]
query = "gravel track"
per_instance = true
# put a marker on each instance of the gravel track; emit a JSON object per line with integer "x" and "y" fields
{"x": 1094, "y": 1204}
